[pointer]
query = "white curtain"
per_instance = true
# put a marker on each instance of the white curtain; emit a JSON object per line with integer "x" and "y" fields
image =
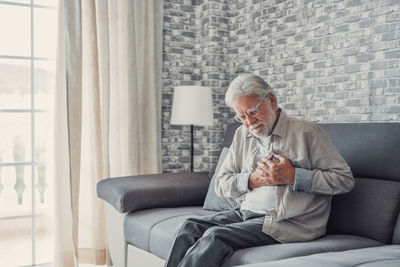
{"x": 107, "y": 113}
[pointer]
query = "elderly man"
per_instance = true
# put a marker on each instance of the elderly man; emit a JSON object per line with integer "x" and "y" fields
{"x": 283, "y": 171}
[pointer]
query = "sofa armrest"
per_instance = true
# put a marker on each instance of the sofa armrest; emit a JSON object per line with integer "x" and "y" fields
{"x": 139, "y": 192}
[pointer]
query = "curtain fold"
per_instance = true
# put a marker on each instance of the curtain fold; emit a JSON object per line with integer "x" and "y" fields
{"x": 107, "y": 113}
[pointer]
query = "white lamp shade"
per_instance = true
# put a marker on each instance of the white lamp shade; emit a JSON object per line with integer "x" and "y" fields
{"x": 192, "y": 105}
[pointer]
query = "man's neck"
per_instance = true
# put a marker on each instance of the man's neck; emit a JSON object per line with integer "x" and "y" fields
{"x": 278, "y": 114}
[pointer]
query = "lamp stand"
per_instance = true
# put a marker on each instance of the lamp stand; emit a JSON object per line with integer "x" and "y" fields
{"x": 191, "y": 148}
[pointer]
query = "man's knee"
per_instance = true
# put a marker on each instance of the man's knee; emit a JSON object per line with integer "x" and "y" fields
{"x": 188, "y": 223}
{"x": 188, "y": 226}
{"x": 216, "y": 232}
{"x": 215, "y": 240}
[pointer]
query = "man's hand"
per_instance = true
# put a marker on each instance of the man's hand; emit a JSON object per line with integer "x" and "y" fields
{"x": 272, "y": 171}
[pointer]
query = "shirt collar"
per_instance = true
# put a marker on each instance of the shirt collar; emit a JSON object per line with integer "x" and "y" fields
{"x": 280, "y": 127}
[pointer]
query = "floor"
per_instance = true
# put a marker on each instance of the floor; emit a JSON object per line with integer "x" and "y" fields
{"x": 51, "y": 265}
{"x": 16, "y": 242}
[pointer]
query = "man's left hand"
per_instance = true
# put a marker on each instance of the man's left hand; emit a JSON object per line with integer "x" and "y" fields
{"x": 278, "y": 170}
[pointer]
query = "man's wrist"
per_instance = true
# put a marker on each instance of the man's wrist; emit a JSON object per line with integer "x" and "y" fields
{"x": 252, "y": 178}
{"x": 242, "y": 182}
{"x": 303, "y": 180}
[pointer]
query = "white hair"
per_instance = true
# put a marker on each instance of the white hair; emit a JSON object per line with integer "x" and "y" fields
{"x": 246, "y": 84}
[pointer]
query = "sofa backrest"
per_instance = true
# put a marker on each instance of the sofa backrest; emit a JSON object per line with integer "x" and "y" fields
{"x": 230, "y": 132}
{"x": 372, "y": 151}
{"x": 228, "y": 137}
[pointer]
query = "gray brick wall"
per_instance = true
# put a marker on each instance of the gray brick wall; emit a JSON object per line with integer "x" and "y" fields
{"x": 180, "y": 67}
{"x": 198, "y": 58}
{"x": 327, "y": 60}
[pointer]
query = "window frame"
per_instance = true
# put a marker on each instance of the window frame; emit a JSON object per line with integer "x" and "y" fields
{"x": 33, "y": 111}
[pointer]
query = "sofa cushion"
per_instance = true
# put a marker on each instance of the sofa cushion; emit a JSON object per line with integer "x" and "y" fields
{"x": 370, "y": 210}
{"x": 379, "y": 144}
{"x": 388, "y": 256}
{"x": 289, "y": 250}
{"x": 228, "y": 137}
{"x": 370, "y": 149}
{"x": 214, "y": 202}
{"x": 153, "y": 230}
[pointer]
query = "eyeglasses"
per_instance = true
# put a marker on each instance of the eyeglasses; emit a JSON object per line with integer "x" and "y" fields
{"x": 253, "y": 111}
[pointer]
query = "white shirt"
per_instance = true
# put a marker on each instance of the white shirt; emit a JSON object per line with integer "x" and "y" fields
{"x": 261, "y": 199}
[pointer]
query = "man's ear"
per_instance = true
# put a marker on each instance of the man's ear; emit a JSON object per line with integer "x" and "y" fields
{"x": 273, "y": 101}
{"x": 272, "y": 97}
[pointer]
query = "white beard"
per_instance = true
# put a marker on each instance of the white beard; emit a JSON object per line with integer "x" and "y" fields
{"x": 266, "y": 128}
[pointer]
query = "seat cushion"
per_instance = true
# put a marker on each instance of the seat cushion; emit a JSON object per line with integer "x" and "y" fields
{"x": 289, "y": 250}
{"x": 388, "y": 256}
{"x": 153, "y": 230}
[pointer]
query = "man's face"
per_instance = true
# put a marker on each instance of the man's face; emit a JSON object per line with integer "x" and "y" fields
{"x": 262, "y": 123}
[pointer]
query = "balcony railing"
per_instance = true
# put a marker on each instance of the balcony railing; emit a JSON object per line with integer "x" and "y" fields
{"x": 19, "y": 166}
{"x": 25, "y": 204}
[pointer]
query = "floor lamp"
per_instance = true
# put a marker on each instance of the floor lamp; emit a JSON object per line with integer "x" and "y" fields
{"x": 192, "y": 105}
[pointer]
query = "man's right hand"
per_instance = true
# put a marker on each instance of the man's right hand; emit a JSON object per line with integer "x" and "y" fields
{"x": 255, "y": 180}
{"x": 273, "y": 170}
{"x": 258, "y": 179}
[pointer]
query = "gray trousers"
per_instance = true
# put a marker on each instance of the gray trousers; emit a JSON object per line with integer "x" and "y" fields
{"x": 208, "y": 241}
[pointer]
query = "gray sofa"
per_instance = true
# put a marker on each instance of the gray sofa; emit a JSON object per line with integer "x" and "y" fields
{"x": 143, "y": 212}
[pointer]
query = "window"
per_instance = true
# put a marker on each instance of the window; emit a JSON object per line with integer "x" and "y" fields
{"x": 28, "y": 32}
